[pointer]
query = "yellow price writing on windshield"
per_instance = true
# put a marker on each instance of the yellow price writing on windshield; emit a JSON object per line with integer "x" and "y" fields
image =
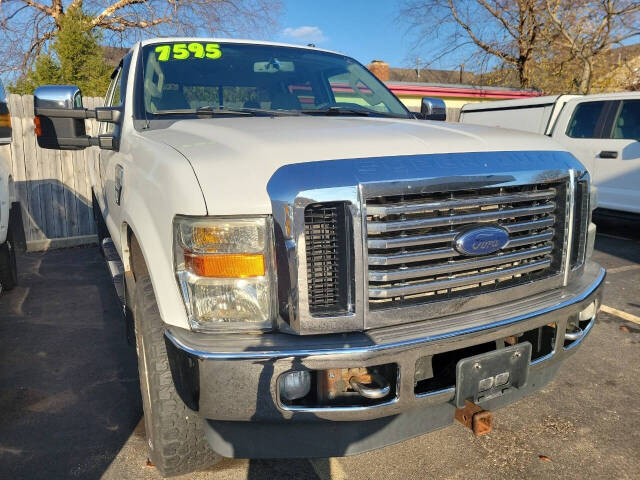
{"x": 183, "y": 51}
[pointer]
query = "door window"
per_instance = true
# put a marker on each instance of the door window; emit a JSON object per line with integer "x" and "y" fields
{"x": 115, "y": 99}
{"x": 113, "y": 95}
{"x": 627, "y": 123}
{"x": 585, "y": 120}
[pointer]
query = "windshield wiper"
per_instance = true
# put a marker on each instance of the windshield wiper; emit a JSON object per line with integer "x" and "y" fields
{"x": 203, "y": 111}
{"x": 213, "y": 111}
{"x": 338, "y": 110}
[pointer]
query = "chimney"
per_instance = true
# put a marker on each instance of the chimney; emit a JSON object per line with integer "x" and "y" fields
{"x": 380, "y": 69}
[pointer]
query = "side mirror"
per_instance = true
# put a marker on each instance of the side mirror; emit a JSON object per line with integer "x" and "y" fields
{"x": 60, "y": 119}
{"x": 433, "y": 109}
{"x": 5, "y": 120}
{"x": 59, "y": 132}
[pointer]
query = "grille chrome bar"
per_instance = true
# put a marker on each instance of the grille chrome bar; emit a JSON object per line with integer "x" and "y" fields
{"x": 394, "y": 226}
{"x": 521, "y": 241}
{"x": 412, "y": 257}
{"x": 410, "y": 241}
{"x": 533, "y": 225}
{"x": 420, "y": 256}
{"x": 482, "y": 262}
{"x": 407, "y": 208}
{"x": 413, "y": 240}
{"x": 426, "y": 287}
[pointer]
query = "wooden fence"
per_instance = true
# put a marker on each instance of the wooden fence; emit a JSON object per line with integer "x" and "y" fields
{"x": 52, "y": 186}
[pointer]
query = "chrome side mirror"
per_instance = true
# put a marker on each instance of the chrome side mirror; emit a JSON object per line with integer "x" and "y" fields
{"x": 60, "y": 116}
{"x": 433, "y": 109}
{"x": 59, "y": 132}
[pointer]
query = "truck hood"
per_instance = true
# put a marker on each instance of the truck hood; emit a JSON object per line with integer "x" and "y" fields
{"x": 234, "y": 158}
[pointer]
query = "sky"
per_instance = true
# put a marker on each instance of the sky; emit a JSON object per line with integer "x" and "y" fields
{"x": 364, "y": 30}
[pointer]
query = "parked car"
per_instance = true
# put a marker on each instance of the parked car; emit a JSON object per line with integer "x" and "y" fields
{"x": 311, "y": 271}
{"x": 8, "y": 266}
{"x": 602, "y": 131}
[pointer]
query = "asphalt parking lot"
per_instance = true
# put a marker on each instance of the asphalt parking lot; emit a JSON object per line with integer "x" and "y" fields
{"x": 70, "y": 404}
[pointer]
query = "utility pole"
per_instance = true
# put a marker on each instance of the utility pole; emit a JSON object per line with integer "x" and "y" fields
{"x": 418, "y": 67}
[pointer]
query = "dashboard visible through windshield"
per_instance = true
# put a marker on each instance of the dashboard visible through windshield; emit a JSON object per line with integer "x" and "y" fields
{"x": 192, "y": 78}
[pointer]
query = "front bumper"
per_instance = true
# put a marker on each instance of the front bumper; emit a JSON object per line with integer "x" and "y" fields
{"x": 232, "y": 380}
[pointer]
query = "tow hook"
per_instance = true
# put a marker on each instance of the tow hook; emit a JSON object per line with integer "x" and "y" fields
{"x": 474, "y": 417}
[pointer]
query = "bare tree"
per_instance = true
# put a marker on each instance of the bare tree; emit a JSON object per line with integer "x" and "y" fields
{"x": 506, "y": 30}
{"x": 588, "y": 29}
{"x": 27, "y": 26}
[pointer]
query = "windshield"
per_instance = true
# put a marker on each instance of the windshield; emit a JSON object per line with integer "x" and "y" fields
{"x": 189, "y": 78}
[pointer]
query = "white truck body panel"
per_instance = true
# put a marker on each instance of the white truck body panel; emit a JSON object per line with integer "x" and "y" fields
{"x": 617, "y": 179}
{"x": 535, "y": 115}
{"x": 218, "y": 149}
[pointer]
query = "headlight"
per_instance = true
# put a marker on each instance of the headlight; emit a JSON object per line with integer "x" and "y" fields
{"x": 225, "y": 269}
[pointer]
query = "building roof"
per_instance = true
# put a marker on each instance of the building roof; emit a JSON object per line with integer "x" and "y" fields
{"x": 457, "y": 90}
{"x": 428, "y": 75}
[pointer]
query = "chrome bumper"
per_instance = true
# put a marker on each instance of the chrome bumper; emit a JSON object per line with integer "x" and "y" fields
{"x": 232, "y": 380}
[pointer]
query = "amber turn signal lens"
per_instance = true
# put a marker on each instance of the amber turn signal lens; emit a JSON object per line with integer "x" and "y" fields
{"x": 37, "y": 126}
{"x": 228, "y": 265}
{"x": 5, "y": 120}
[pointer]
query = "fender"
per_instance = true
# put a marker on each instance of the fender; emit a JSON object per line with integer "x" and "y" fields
{"x": 148, "y": 210}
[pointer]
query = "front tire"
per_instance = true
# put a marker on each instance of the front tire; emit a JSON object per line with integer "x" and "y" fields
{"x": 8, "y": 263}
{"x": 175, "y": 433}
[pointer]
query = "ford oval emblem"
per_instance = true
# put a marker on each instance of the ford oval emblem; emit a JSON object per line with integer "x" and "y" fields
{"x": 481, "y": 241}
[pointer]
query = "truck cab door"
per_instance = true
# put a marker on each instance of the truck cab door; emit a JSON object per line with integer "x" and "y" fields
{"x": 618, "y": 161}
{"x": 592, "y": 131}
{"x": 99, "y": 167}
{"x": 112, "y": 163}
{"x": 579, "y": 128}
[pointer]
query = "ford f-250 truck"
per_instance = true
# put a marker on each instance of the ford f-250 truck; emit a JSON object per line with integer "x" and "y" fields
{"x": 311, "y": 271}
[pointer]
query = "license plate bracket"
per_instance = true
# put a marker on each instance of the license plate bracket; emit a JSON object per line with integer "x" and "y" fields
{"x": 493, "y": 374}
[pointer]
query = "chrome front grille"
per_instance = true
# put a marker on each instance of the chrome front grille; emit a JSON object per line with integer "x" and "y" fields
{"x": 410, "y": 242}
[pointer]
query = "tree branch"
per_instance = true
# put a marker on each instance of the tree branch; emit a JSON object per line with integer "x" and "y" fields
{"x": 39, "y": 6}
{"x": 99, "y": 20}
{"x": 484, "y": 46}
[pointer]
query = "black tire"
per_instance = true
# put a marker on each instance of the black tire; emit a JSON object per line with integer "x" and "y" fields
{"x": 175, "y": 433}
{"x": 101, "y": 227}
{"x": 8, "y": 264}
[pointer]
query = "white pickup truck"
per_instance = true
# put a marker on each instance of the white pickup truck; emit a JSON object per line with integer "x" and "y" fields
{"x": 8, "y": 267}
{"x": 602, "y": 131}
{"x": 311, "y": 271}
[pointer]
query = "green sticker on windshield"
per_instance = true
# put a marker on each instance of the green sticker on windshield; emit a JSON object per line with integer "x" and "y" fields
{"x": 183, "y": 51}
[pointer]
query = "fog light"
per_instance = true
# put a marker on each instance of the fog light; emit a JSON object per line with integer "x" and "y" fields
{"x": 589, "y": 312}
{"x": 294, "y": 385}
